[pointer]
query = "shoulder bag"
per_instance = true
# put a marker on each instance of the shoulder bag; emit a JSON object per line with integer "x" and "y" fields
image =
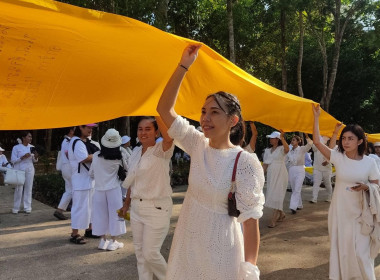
{"x": 232, "y": 209}
{"x": 14, "y": 176}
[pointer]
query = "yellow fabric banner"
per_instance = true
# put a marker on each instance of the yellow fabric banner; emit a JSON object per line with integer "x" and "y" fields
{"x": 373, "y": 137}
{"x": 61, "y": 65}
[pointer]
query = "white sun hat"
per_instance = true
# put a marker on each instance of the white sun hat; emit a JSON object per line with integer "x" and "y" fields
{"x": 125, "y": 139}
{"x": 111, "y": 139}
{"x": 274, "y": 134}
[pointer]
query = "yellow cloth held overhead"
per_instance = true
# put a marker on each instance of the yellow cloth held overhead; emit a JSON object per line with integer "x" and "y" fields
{"x": 373, "y": 137}
{"x": 61, "y": 65}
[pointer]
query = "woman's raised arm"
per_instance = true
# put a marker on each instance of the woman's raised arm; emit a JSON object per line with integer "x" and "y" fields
{"x": 326, "y": 152}
{"x": 165, "y": 106}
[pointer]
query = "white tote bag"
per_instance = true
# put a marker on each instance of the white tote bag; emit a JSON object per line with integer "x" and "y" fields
{"x": 58, "y": 165}
{"x": 14, "y": 177}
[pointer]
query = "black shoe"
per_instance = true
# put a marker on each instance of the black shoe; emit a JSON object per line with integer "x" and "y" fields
{"x": 299, "y": 208}
{"x": 88, "y": 234}
{"x": 293, "y": 211}
{"x": 59, "y": 215}
{"x": 288, "y": 190}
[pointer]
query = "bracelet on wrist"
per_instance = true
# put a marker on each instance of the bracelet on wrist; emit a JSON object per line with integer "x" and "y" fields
{"x": 184, "y": 67}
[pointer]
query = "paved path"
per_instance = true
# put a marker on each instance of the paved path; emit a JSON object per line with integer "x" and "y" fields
{"x": 36, "y": 246}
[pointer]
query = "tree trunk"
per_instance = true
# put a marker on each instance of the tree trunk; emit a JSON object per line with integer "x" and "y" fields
{"x": 123, "y": 126}
{"x": 49, "y": 133}
{"x": 283, "y": 50}
{"x": 300, "y": 55}
{"x": 128, "y": 127}
{"x": 162, "y": 14}
{"x": 231, "y": 38}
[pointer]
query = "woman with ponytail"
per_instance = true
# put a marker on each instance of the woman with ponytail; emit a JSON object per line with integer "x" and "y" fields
{"x": 208, "y": 243}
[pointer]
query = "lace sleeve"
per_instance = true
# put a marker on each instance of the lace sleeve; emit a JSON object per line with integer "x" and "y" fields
{"x": 249, "y": 187}
{"x": 159, "y": 152}
{"x": 185, "y": 135}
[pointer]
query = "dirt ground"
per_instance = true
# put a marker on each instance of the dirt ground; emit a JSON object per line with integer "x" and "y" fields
{"x": 36, "y": 246}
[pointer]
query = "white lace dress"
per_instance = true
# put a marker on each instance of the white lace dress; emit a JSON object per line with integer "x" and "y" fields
{"x": 277, "y": 177}
{"x": 208, "y": 243}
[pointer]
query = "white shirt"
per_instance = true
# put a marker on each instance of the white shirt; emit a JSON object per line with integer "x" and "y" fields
{"x": 81, "y": 180}
{"x": 126, "y": 153}
{"x": 104, "y": 171}
{"x": 22, "y": 164}
{"x": 64, "y": 150}
{"x": 3, "y": 160}
{"x": 319, "y": 159}
{"x": 148, "y": 175}
{"x": 376, "y": 158}
{"x": 296, "y": 156}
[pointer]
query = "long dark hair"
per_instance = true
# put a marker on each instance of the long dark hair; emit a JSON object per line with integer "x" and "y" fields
{"x": 110, "y": 153}
{"x": 231, "y": 106}
{"x": 370, "y": 148}
{"x": 77, "y": 131}
{"x": 359, "y": 132}
{"x": 24, "y": 133}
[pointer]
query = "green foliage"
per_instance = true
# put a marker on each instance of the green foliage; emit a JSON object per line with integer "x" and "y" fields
{"x": 180, "y": 173}
{"x": 48, "y": 188}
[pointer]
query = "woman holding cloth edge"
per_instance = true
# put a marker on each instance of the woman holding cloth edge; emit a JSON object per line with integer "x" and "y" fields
{"x": 356, "y": 173}
{"x": 208, "y": 243}
{"x": 149, "y": 196}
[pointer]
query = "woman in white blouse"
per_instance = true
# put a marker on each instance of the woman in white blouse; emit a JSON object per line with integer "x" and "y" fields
{"x": 23, "y": 157}
{"x": 296, "y": 163}
{"x": 277, "y": 175}
{"x": 208, "y": 243}
{"x": 149, "y": 195}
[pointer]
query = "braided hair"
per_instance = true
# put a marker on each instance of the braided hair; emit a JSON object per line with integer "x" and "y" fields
{"x": 231, "y": 106}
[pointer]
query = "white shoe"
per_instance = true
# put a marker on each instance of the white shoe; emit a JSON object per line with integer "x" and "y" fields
{"x": 103, "y": 244}
{"x": 313, "y": 201}
{"x": 114, "y": 245}
{"x": 328, "y": 200}
{"x": 14, "y": 211}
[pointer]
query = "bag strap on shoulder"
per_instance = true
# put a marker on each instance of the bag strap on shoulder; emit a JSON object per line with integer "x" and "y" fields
{"x": 85, "y": 166}
{"x": 234, "y": 172}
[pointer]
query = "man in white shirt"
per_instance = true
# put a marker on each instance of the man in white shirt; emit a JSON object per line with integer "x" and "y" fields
{"x": 66, "y": 174}
{"x": 80, "y": 161}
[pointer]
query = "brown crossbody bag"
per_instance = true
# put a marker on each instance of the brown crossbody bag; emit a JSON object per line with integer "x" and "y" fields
{"x": 232, "y": 210}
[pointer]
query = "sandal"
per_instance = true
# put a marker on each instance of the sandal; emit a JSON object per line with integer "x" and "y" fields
{"x": 77, "y": 239}
{"x": 88, "y": 234}
{"x": 281, "y": 218}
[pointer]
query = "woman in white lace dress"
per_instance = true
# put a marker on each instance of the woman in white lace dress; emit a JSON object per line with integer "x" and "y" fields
{"x": 277, "y": 175}
{"x": 350, "y": 249}
{"x": 208, "y": 243}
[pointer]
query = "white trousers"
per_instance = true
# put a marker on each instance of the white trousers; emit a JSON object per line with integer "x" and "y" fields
{"x": 105, "y": 219}
{"x": 296, "y": 178}
{"x": 68, "y": 194}
{"x": 25, "y": 190}
{"x": 318, "y": 176}
{"x": 150, "y": 221}
{"x": 81, "y": 209}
